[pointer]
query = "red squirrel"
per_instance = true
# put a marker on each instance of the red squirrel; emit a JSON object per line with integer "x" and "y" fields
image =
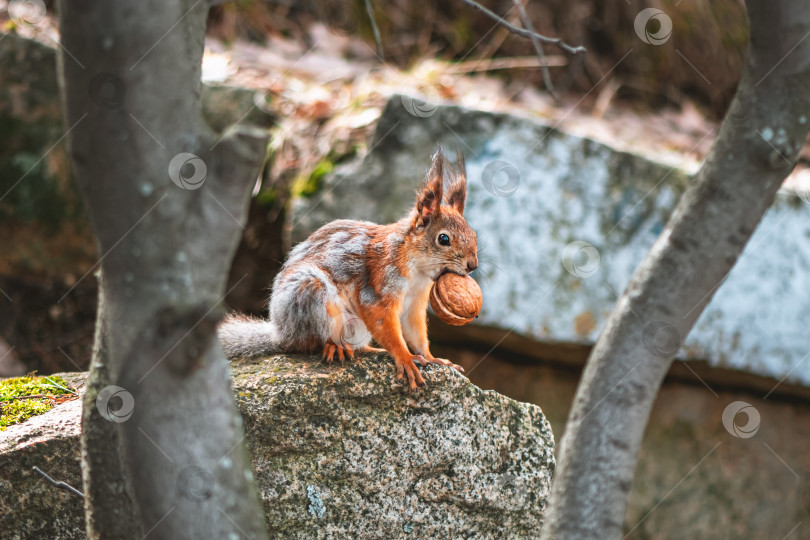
{"x": 364, "y": 280}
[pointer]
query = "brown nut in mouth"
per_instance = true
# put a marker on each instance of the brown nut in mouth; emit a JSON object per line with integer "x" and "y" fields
{"x": 456, "y": 299}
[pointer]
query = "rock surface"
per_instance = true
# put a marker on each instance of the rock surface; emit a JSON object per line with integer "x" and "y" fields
{"x": 562, "y": 224}
{"x": 29, "y": 506}
{"x": 338, "y": 452}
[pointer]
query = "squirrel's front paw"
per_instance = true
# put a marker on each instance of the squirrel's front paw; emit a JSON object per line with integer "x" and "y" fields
{"x": 407, "y": 367}
{"x": 441, "y": 361}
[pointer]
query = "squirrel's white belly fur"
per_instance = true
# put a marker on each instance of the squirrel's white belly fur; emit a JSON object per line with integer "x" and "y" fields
{"x": 418, "y": 286}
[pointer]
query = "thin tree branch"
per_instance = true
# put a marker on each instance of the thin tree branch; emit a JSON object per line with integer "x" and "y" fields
{"x": 377, "y": 38}
{"x": 514, "y": 62}
{"x": 527, "y": 23}
{"x": 523, "y": 32}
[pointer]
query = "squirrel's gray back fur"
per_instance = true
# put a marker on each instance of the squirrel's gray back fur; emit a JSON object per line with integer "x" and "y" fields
{"x": 299, "y": 320}
{"x": 248, "y": 336}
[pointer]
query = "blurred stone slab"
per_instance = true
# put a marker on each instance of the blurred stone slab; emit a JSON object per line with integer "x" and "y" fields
{"x": 563, "y": 221}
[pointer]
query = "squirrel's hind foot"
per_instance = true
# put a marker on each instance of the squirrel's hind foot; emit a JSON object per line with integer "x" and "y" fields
{"x": 330, "y": 351}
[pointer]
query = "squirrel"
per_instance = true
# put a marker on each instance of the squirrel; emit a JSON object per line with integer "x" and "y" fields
{"x": 352, "y": 281}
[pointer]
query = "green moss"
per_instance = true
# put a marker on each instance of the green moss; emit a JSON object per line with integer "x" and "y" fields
{"x": 307, "y": 186}
{"x": 267, "y": 197}
{"x": 14, "y": 410}
{"x": 26, "y": 386}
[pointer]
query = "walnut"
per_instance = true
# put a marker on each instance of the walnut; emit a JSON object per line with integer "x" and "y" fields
{"x": 456, "y": 299}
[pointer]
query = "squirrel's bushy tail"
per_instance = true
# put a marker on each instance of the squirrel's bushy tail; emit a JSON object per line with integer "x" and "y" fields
{"x": 241, "y": 335}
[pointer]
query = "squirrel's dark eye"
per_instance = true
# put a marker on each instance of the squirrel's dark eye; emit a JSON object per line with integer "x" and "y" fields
{"x": 444, "y": 240}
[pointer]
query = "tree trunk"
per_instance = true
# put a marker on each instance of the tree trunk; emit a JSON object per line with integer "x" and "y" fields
{"x": 163, "y": 454}
{"x": 756, "y": 148}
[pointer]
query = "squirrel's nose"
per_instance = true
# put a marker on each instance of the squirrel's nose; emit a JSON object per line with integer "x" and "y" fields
{"x": 472, "y": 265}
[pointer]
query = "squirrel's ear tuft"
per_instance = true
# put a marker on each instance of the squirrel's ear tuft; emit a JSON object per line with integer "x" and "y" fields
{"x": 457, "y": 193}
{"x": 429, "y": 200}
